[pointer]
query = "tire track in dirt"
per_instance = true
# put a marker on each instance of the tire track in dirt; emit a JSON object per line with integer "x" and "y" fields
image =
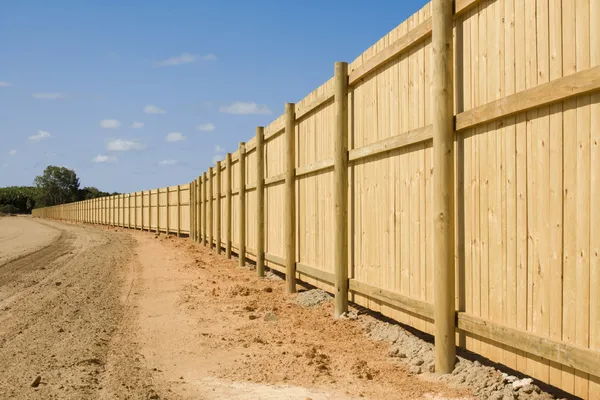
{"x": 39, "y": 259}
{"x": 68, "y": 321}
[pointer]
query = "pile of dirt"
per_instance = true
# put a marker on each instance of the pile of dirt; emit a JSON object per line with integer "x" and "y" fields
{"x": 312, "y": 298}
{"x": 418, "y": 356}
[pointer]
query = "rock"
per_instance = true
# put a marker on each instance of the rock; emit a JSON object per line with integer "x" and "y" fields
{"x": 58, "y": 283}
{"x": 351, "y": 315}
{"x": 252, "y": 316}
{"x": 477, "y": 364}
{"x": 36, "y": 382}
{"x": 508, "y": 396}
{"x": 417, "y": 361}
{"x": 431, "y": 368}
{"x": 522, "y": 382}
{"x": 528, "y": 389}
{"x": 415, "y": 369}
{"x": 270, "y": 317}
{"x": 268, "y": 289}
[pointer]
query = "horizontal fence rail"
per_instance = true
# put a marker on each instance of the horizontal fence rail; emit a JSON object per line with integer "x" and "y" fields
{"x": 526, "y": 187}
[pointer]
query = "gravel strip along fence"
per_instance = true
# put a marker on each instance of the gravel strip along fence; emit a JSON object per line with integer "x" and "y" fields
{"x": 418, "y": 356}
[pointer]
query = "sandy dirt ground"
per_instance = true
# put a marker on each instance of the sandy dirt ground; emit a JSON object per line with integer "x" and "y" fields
{"x": 114, "y": 314}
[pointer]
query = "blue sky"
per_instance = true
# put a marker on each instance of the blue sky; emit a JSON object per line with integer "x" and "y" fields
{"x": 195, "y": 77}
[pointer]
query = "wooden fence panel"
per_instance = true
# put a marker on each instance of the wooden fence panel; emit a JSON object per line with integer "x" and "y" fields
{"x": 527, "y": 103}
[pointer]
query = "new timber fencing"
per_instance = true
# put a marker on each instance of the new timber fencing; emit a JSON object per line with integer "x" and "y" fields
{"x": 339, "y": 190}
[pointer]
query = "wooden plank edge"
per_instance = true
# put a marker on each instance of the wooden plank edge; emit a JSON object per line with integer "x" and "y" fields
{"x": 395, "y": 142}
{"x": 315, "y": 167}
{"x": 462, "y": 6}
{"x": 418, "y": 307}
{"x": 401, "y": 45}
{"x": 275, "y": 259}
{"x": 275, "y": 133}
{"x": 557, "y": 90}
{"x": 304, "y": 111}
{"x": 275, "y": 179}
{"x": 579, "y": 358}
{"x": 316, "y": 273}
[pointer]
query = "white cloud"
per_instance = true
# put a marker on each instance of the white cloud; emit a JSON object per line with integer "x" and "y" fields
{"x": 184, "y": 58}
{"x": 137, "y": 125}
{"x": 206, "y": 127}
{"x": 40, "y": 135}
{"x": 168, "y": 162}
{"x": 150, "y": 109}
{"x": 219, "y": 149}
{"x": 104, "y": 159}
{"x": 5, "y": 84}
{"x": 174, "y": 137}
{"x": 124, "y": 145}
{"x": 240, "y": 107}
{"x": 12, "y": 152}
{"x": 110, "y": 124}
{"x": 209, "y": 57}
{"x": 48, "y": 95}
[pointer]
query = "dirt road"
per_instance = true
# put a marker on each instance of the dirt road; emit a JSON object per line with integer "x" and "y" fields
{"x": 116, "y": 314}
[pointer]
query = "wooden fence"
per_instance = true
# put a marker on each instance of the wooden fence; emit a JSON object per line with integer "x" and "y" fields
{"x": 526, "y": 186}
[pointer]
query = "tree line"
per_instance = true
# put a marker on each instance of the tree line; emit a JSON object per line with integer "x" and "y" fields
{"x": 56, "y": 185}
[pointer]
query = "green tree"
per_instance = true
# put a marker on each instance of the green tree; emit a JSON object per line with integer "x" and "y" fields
{"x": 18, "y": 199}
{"x": 57, "y": 185}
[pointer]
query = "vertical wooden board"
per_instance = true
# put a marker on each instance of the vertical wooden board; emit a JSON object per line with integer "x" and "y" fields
{"x": 509, "y": 151}
{"x": 556, "y": 188}
{"x": 541, "y": 161}
{"x": 594, "y": 386}
{"x": 582, "y": 323}
{"x": 531, "y": 81}
{"x": 492, "y": 167}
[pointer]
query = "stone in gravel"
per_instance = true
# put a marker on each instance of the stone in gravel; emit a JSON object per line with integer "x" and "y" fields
{"x": 268, "y": 289}
{"x": 36, "y": 382}
{"x": 252, "y": 316}
{"x": 415, "y": 370}
{"x": 58, "y": 283}
{"x": 312, "y": 298}
{"x": 270, "y": 317}
{"x": 351, "y": 315}
{"x": 522, "y": 382}
{"x": 528, "y": 389}
{"x": 395, "y": 352}
{"x": 417, "y": 362}
{"x": 431, "y": 368}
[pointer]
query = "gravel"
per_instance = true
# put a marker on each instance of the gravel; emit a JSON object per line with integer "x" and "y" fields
{"x": 312, "y": 298}
{"x": 418, "y": 357}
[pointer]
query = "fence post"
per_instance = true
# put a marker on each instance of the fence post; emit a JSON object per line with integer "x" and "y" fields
{"x": 443, "y": 186}
{"x": 260, "y": 201}
{"x": 192, "y": 206}
{"x": 149, "y": 210}
{"x": 340, "y": 179}
{"x": 158, "y": 210}
{"x": 198, "y": 207}
{"x": 228, "y": 205}
{"x": 242, "y": 204}
{"x": 290, "y": 198}
{"x": 218, "y": 209}
{"x": 211, "y": 219}
{"x": 204, "y": 208}
{"x": 114, "y": 210}
{"x": 142, "y": 213}
{"x": 168, "y": 211}
{"x": 129, "y": 210}
{"x": 178, "y": 210}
